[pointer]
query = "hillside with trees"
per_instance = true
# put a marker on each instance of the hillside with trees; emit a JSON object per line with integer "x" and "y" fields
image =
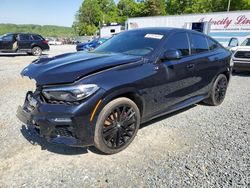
{"x": 46, "y": 30}
{"x": 92, "y": 13}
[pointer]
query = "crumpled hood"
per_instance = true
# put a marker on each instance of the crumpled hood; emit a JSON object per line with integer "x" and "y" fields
{"x": 67, "y": 68}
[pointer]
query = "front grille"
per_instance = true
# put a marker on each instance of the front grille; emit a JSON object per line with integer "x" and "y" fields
{"x": 242, "y": 54}
{"x": 62, "y": 131}
{"x": 62, "y": 102}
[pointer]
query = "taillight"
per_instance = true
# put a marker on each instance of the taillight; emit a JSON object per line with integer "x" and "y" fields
{"x": 45, "y": 41}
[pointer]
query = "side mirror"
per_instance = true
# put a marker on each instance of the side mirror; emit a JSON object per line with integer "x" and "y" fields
{"x": 172, "y": 55}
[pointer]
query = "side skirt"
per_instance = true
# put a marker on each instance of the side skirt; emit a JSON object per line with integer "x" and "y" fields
{"x": 179, "y": 106}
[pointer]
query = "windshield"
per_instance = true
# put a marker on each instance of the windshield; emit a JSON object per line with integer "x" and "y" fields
{"x": 102, "y": 40}
{"x": 137, "y": 43}
{"x": 246, "y": 42}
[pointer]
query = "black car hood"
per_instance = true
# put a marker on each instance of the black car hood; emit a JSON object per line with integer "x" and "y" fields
{"x": 67, "y": 68}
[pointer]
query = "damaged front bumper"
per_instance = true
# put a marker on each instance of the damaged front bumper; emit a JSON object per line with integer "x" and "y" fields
{"x": 59, "y": 123}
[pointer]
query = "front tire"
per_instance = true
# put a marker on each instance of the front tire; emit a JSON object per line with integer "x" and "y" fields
{"x": 36, "y": 51}
{"x": 218, "y": 92}
{"x": 117, "y": 125}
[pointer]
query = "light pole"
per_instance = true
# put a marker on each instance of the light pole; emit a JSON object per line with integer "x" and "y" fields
{"x": 228, "y": 7}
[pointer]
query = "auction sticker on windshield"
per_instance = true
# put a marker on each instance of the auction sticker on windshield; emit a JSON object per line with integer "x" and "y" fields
{"x": 154, "y": 36}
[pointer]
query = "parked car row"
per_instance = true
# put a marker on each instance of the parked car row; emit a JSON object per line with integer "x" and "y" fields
{"x": 52, "y": 41}
{"x": 35, "y": 44}
{"x": 91, "y": 44}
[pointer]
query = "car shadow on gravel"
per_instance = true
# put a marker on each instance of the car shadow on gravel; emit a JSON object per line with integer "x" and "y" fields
{"x": 34, "y": 139}
{"x": 166, "y": 116}
{"x": 12, "y": 55}
{"x": 242, "y": 73}
{"x": 17, "y": 54}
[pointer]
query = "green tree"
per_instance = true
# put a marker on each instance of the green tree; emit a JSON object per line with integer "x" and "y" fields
{"x": 179, "y": 6}
{"x": 128, "y": 9}
{"x": 109, "y": 11}
{"x": 154, "y": 7}
{"x": 46, "y": 30}
{"x": 94, "y": 12}
{"x": 203, "y": 6}
{"x": 88, "y": 18}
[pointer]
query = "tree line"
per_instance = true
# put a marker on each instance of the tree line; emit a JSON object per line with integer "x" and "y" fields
{"x": 92, "y": 13}
{"x": 46, "y": 30}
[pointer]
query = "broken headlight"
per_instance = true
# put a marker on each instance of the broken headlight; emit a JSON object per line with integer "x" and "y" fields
{"x": 70, "y": 93}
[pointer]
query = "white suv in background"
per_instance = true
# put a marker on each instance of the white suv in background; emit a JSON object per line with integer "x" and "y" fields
{"x": 240, "y": 47}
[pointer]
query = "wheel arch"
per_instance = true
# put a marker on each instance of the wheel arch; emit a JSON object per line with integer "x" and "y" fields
{"x": 36, "y": 45}
{"x": 129, "y": 93}
{"x": 227, "y": 74}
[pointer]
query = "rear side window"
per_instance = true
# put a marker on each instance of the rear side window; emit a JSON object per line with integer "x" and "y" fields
{"x": 36, "y": 37}
{"x": 24, "y": 37}
{"x": 198, "y": 43}
{"x": 8, "y": 37}
{"x": 178, "y": 41}
{"x": 211, "y": 44}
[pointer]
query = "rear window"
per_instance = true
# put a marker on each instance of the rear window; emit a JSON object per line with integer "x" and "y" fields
{"x": 24, "y": 37}
{"x": 211, "y": 44}
{"x": 198, "y": 43}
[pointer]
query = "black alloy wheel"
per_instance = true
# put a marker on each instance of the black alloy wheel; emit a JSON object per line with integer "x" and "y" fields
{"x": 218, "y": 92}
{"x": 117, "y": 125}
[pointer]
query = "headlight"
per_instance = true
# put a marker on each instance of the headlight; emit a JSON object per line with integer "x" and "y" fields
{"x": 70, "y": 93}
{"x": 231, "y": 62}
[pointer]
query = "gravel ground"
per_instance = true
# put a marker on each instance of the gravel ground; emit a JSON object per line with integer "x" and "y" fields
{"x": 200, "y": 146}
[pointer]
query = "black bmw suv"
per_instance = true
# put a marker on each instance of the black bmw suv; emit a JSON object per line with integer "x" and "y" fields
{"x": 23, "y": 42}
{"x": 101, "y": 97}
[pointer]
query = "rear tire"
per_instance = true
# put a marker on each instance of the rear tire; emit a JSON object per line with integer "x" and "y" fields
{"x": 36, "y": 51}
{"x": 218, "y": 92}
{"x": 117, "y": 125}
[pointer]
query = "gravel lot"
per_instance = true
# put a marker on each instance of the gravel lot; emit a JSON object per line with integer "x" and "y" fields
{"x": 200, "y": 146}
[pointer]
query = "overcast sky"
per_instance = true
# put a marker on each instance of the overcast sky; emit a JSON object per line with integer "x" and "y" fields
{"x": 42, "y": 12}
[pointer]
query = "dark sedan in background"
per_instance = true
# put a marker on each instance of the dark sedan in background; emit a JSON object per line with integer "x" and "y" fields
{"x": 23, "y": 42}
{"x": 101, "y": 97}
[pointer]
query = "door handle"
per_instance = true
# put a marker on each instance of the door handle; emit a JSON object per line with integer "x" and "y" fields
{"x": 190, "y": 66}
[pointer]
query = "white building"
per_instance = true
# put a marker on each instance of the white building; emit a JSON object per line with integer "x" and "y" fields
{"x": 110, "y": 30}
{"x": 223, "y": 25}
